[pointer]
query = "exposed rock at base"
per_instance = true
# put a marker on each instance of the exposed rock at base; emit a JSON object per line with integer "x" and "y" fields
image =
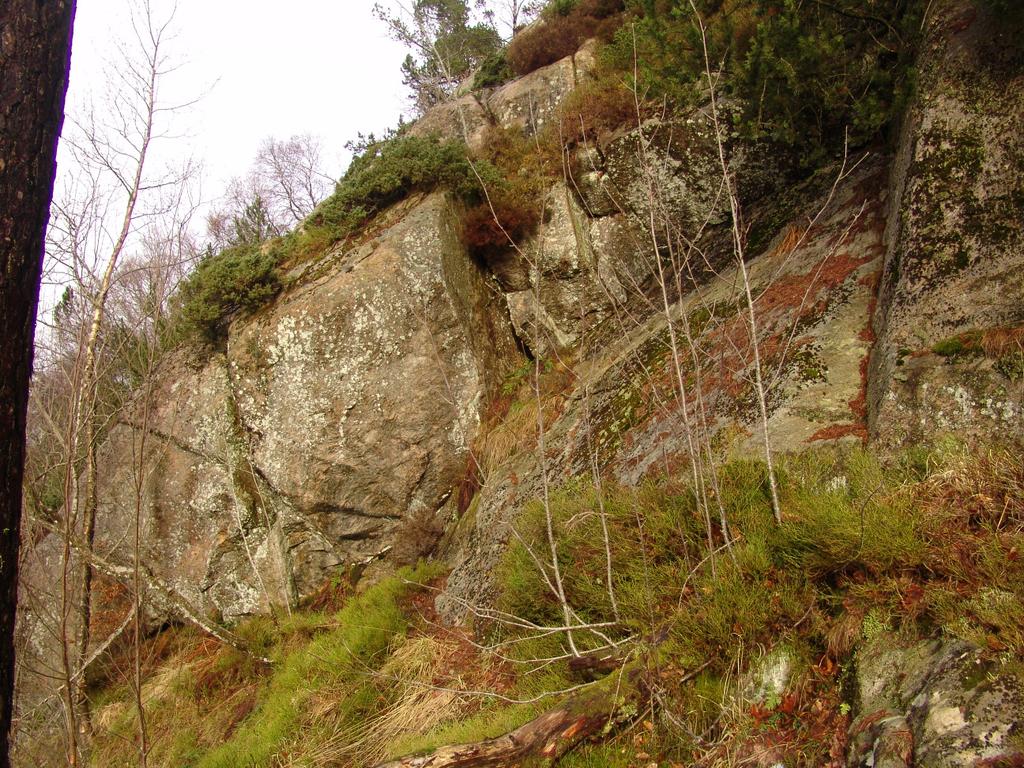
{"x": 955, "y": 246}
{"x": 941, "y": 703}
{"x": 768, "y": 677}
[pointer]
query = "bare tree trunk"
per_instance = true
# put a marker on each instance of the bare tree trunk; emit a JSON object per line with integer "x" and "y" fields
{"x": 139, "y": 440}
{"x": 84, "y": 435}
{"x": 738, "y": 238}
{"x": 35, "y": 53}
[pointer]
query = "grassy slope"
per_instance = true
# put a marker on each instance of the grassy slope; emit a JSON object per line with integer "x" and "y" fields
{"x": 929, "y": 543}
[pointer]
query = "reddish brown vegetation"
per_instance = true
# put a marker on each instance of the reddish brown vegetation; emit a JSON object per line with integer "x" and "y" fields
{"x": 792, "y": 237}
{"x": 810, "y": 715}
{"x": 486, "y": 231}
{"x": 837, "y": 431}
{"x": 112, "y": 601}
{"x": 470, "y": 484}
{"x": 559, "y": 36}
{"x": 596, "y": 109}
{"x": 811, "y": 289}
{"x": 463, "y": 664}
{"x": 330, "y": 597}
{"x": 997, "y": 342}
{"x": 858, "y": 405}
{"x": 512, "y": 208}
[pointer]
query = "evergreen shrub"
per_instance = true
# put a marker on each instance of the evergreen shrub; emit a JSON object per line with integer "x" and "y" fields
{"x": 239, "y": 278}
{"x": 494, "y": 71}
{"x": 806, "y": 75}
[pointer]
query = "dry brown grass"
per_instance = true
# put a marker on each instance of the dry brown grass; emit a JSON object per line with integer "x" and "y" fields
{"x": 788, "y": 242}
{"x": 512, "y": 429}
{"x": 516, "y": 433}
{"x": 842, "y": 635}
{"x": 984, "y": 486}
{"x": 417, "y": 707}
{"x": 1001, "y": 341}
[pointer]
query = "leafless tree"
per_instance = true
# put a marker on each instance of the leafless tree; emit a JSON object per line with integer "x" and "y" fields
{"x": 292, "y": 177}
{"x": 129, "y": 351}
{"x": 148, "y": 285}
{"x": 512, "y": 15}
{"x": 115, "y": 194}
{"x": 287, "y": 180}
{"x": 739, "y": 240}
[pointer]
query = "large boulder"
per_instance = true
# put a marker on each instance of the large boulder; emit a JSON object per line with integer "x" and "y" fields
{"x": 465, "y": 118}
{"x": 950, "y": 320}
{"x": 331, "y": 431}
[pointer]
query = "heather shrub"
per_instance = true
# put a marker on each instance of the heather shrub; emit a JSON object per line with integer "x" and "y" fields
{"x": 518, "y": 174}
{"x": 596, "y": 108}
{"x": 561, "y": 31}
{"x": 491, "y": 227}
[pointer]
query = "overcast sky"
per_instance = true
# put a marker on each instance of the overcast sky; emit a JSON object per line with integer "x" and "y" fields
{"x": 262, "y": 68}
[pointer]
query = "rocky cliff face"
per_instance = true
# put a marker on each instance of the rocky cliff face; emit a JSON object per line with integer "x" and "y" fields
{"x": 939, "y": 703}
{"x": 338, "y": 425}
{"x": 951, "y": 304}
{"x": 816, "y": 289}
{"x": 330, "y": 432}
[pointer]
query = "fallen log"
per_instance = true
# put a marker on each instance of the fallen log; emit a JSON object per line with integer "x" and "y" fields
{"x": 595, "y": 711}
{"x": 591, "y": 667}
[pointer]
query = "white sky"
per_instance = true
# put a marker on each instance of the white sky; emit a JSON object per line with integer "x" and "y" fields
{"x": 258, "y": 68}
{"x": 262, "y": 68}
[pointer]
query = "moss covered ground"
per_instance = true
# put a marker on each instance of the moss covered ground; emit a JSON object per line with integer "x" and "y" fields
{"x": 924, "y": 544}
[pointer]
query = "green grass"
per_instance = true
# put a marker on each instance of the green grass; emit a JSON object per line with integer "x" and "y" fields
{"x": 922, "y": 542}
{"x": 868, "y": 550}
{"x": 492, "y": 720}
{"x": 366, "y": 628}
{"x": 194, "y": 722}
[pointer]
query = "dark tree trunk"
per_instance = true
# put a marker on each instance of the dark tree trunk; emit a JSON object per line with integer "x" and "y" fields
{"x": 35, "y": 52}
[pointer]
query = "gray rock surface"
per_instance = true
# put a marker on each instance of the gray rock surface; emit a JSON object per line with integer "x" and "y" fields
{"x": 955, "y": 245}
{"x": 334, "y": 427}
{"x": 529, "y": 102}
{"x": 938, "y": 704}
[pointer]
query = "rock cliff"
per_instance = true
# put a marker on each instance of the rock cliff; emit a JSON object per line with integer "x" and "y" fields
{"x": 340, "y": 428}
{"x": 951, "y": 304}
{"x": 338, "y": 425}
{"x": 332, "y": 430}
